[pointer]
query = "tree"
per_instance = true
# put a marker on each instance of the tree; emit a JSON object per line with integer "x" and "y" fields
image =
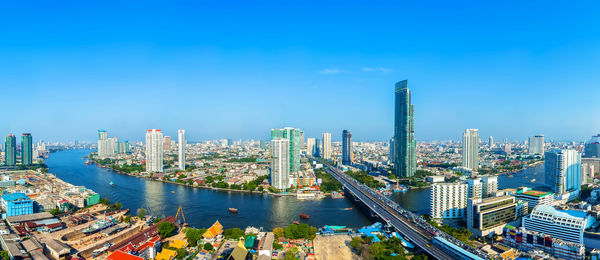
{"x": 166, "y": 229}
{"x": 208, "y": 246}
{"x": 193, "y": 235}
{"x": 55, "y": 211}
{"x": 278, "y": 232}
{"x": 233, "y": 233}
{"x": 4, "y": 255}
{"x": 356, "y": 243}
{"x": 127, "y": 219}
{"x": 117, "y": 206}
{"x": 377, "y": 250}
{"x": 141, "y": 212}
{"x": 181, "y": 253}
{"x": 291, "y": 254}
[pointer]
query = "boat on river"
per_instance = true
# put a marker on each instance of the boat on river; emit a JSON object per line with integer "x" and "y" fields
{"x": 304, "y": 216}
{"x": 233, "y": 210}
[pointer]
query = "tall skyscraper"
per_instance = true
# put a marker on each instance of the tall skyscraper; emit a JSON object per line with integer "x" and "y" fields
{"x": 10, "y": 150}
{"x": 280, "y": 163}
{"x": 346, "y": 147}
{"x": 470, "y": 152}
{"x": 405, "y": 157}
{"x": 154, "y": 150}
{"x": 318, "y": 151}
{"x": 167, "y": 143}
{"x": 536, "y": 145}
{"x": 26, "y": 149}
{"x": 182, "y": 144}
{"x": 102, "y": 144}
{"x": 491, "y": 142}
{"x": 391, "y": 148}
{"x": 310, "y": 146}
{"x": 326, "y": 150}
{"x": 563, "y": 170}
{"x": 592, "y": 147}
{"x": 293, "y": 136}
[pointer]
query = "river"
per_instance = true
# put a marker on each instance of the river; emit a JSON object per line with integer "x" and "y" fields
{"x": 202, "y": 207}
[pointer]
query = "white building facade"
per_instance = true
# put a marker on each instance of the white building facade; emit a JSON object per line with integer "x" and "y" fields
{"x": 536, "y": 145}
{"x": 470, "y": 152}
{"x": 280, "y": 163}
{"x": 568, "y": 225}
{"x": 448, "y": 200}
{"x": 326, "y": 146}
{"x": 182, "y": 143}
{"x": 563, "y": 171}
{"x": 154, "y": 150}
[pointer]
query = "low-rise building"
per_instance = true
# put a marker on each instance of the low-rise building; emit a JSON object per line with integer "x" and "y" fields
{"x": 534, "y": 198}
{"x": 17, "y": 204}
{"x": 568, "y": 225}
{"x": 489, "y": 216}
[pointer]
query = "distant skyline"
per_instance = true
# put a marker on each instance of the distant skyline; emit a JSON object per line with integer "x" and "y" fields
{"x": 237, "y": 70}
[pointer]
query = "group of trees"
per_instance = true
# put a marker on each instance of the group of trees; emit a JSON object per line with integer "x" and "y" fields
{"x": 193, "y": 235}
{"x": 245, "y": 159}
{"x": 115, "y": 206}
{"x": 128, "y": 168}
{"x": 296, "y": 231}
{"x": 166, "y": 229}
{"x": 462, "y": 234}
{"x": 366, "y": 179}
{"x": 329, "y": 183}
{"x": 385, "y": 249}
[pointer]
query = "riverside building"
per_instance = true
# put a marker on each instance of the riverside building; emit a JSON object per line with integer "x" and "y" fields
{"x": 448, "y": 201}
{"x": 490, "y": 215}
{"x": 154, "y": 150}
{"x": 568, "y": 225}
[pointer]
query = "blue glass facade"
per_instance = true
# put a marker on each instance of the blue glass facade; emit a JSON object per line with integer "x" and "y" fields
{"x": 17, "y": 204}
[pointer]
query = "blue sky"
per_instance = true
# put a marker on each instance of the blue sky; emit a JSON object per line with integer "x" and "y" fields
{"x": 228, "y": 69}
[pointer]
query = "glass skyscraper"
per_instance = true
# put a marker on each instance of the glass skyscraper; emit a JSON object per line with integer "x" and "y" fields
{"x": 405, "y": 157}
{"x": 26, "y": 149}
{"x": 563, "y": 170}
{"x": 10, "y": 150}
{"x": 346, "y": 147}
{"x": 293, "y": 135}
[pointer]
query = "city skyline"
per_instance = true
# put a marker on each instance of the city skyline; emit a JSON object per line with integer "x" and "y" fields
{"x": 127, "y": 76}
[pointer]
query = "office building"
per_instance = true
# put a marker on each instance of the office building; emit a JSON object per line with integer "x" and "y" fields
{"x": 563, "y": 171}
{"x": 107, "y": 147}
{"x": 154, "y": 150}
{"x": 318, "y": 151}
{"x": 491, "y": 142}
{"x": 167, "y": 143}
{"x": 346, "y": 147}
{"x": 182, "y": 143}
{"x": 590, "y": 168}
{"x": 123, "y": 147}
{"x": 293, "y": 136}
{"x": 474, "y": 188}
{"x": 592, "y": 147}
{"x": 17, "y": 204}
{"x": 405, "y": 145}
{"x": 470, "y": 151}
{"x": 448, "y": 200}
{"x": 280, "y": 163}
{"x": 489, "y": 186}
{"x": 391, "y": 147}
{"x": 534, "y": 198}
{"x": 568, "y": 225}
{"x": 26, "y": 149}
{"x": 310, "y": 146}
{"x": 490, "y": 215}
{"x": 536, "y": 145}
{"x": 326, "y": 150}
{"x": 10, "y": 150}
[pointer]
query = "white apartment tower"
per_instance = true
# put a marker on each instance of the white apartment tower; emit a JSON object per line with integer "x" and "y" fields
{"x": 154, "y": 150}
{"x": 182, "y": 143}
{"x": 326, "y": 146}
{"x": 310, "y": 146}
{"x": 470, "y": 152}
{"x": 280, "y": 163}
{"x": 536, "y": 145}
{"x": 448, "y": 200}
{"x": 563, "y": 170}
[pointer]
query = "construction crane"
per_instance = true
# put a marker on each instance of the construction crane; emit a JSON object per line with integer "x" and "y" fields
{"x": 180, "y": 210}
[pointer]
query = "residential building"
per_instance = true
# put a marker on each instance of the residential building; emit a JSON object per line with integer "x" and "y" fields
{"x": 17, "y": 204}
{"x": 475, "y": 188}
{"x": 563, "y": 171}
{"x": 568, "y": 225}
{"x": 489, "y": 186}
{"x": 488, "y": 216}
{"x": 154, "y": 150}
{"x": 592, "y": 147}
{"x": 448, "y": 200}
{"x": 107, "y": 147}
{"x": 346, "y": 147}
{"x": 536, "y": 145}
{"x": 529, "y": 241}
{"x": 280, "y": 161}
{"x": 167, "y": 143}
{"x": 182, "y": 143}
{"x": 470, "y": 151}
{"x": 318, "y": 151}
{"x": 326, "y": 151}
{"x": 491, "y": 142}
{"x": 534, "y": 198}
{"x": 405, "y": 145}
{"x": 26, "y": 149}
{"x": 123, "y": 147}
{"x": 10, "y": 150}
{"x": 590, "y": 168}
{"x": 293, "y": 136}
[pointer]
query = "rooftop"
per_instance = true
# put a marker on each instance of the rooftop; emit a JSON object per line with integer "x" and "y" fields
{"x": 535, "y": 193}
{"x": 561, "y": 213}
{"x": 15, "y": 196}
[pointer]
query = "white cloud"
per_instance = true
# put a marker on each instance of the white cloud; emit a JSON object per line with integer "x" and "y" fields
{"x": 379, "y": 69}
{"x": 330, "y": 71}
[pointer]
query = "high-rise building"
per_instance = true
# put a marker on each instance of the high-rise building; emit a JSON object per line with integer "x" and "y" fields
{"x": 293, "y": 136}
{"x": 326, "y": 150}
{"x": 167, "y": 143}
{"x": 123, "y": 147}
{"x": 534, "y": 198}
{"x": 568, "y": 225}
{"x": 391, "y": 147}
{"x": 563, "y": 170}
{"x": 10, "y": 150}
{"x": 592, "y": 147}
{"x": 107, "y": 147}
{"x": 448, "y": 200}
{"x": 491, "y": 142}
{"x": 487, "y": 216}
{"x": 318, "y": 151}
{"x": 182, "y": 143}
{"x": 536, "y": 145}
{"x": 310, "y": 146}
{"x": 405, "y": 156}
{"x": 489, "y": 186}
{"x": 280, "y": 163}
{"x": 474, "y": 188}
{"x": 154, "y": 150}
{"x": 26, "y": 149}
{"x": 346, "y": 147}
{"x": 470, "y": 151}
